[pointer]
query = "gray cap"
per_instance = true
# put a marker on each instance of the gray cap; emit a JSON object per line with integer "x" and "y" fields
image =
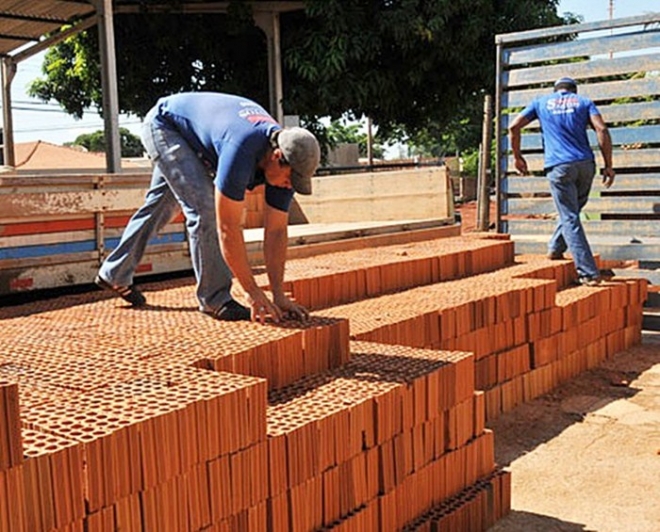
{"x": 566, "y": 82}
{"x": 303, "y": 154}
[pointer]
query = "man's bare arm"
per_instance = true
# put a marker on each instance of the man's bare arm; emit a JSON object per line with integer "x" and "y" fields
{"x": 514, "y": 138}
{"x": 605, "y": 144}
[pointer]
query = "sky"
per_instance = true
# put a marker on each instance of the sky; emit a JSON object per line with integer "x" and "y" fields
{"x": 36, "y": 120}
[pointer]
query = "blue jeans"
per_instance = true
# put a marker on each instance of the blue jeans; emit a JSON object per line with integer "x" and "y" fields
{"x": 179, "y": 179}
{"x": 570, "y": 185}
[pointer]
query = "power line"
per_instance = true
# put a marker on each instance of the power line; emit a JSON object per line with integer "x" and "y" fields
{"x": 73, "y": 126}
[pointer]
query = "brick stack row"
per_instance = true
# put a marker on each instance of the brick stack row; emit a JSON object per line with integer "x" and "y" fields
{"x": 347, "y": 276}
{"x": 11, "y": 454}
{"x": 149, "y": 454}
{"x": 253, "y": 214}
{"x": 165, "y": 419}
{"x": 526, "y": 336}
{"x": 376, "y": 443}
{"x": 188, "y": 449}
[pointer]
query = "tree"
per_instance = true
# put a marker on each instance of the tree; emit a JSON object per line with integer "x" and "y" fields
{"x": 411, "y": 65}
{"x": 131, "y": 146}
{"x": 343, "y": 131}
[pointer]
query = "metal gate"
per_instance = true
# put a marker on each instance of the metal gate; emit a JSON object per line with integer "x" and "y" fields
{"x": 616, "y": 64}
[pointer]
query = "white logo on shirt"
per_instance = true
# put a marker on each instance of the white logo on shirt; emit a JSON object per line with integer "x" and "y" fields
{"x": 561, "y": 105}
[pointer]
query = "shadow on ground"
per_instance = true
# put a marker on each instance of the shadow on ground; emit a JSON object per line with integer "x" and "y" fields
{"x": 521, "y": 430}
{"x": 530, "y": 522}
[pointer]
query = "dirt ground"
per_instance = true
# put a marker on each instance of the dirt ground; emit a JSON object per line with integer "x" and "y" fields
{"x": 586, "y": 457}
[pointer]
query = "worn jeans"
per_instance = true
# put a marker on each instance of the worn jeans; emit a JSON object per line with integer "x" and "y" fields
{"x": 179, "y": 179}
{"x": 570, "y": 185}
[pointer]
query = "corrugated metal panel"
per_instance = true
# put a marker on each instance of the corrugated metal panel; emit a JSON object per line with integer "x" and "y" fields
{"x": 22, "y": 21}
{"x": 25, "y": 21}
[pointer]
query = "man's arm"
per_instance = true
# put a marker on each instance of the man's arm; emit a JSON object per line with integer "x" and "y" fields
{"x": 275, "y": 247}
{"x": 514, "y": 138}
{"x": 229, "y": 214}
{"x": 605, "y": 144}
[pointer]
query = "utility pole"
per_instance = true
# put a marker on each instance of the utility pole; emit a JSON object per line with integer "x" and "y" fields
{"x": 611, "y": 10}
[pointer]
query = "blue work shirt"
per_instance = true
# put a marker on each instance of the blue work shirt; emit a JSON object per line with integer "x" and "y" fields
{"x": 564, "y": 118}
{"x": 231, "y": 134}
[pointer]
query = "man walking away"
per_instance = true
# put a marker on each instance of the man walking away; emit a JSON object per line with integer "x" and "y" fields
{"x": 569, "y": 166}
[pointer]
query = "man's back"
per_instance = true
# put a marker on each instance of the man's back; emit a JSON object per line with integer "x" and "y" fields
{"x": 564, "y": 118}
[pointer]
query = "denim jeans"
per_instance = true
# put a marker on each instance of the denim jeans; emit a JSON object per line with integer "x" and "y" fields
{"x": 179, "y": 179}
{"x": 570, "y": 185}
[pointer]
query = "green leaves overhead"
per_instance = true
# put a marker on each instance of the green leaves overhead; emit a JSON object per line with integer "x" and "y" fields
{"x": 410, "y": 65}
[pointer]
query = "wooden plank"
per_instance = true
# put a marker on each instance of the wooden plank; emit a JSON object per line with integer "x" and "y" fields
{"x": 620, "y": 136}
{"x": 622, "y": 159}
{"x": 44, "y": 203}
{"x": 611, "y": 90}
{"x": 22, "y": 224}
{"x": 623, "y": 183}
{"x": 620, "y": 228}
{"x": 535, "y": 53}
{"x": 584, "y": 69}
{"x": 38, "y": 181}
{"x": 572, "y": 29}
{"x": 379, "y": 196}
{"x": 629, "y": 112}
{"x": 595, "y": 206}
{"x": 613, "y": 251}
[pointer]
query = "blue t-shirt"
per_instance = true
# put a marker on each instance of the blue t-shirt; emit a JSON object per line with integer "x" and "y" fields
{"x": 564, "y": 117}
{"x": 230, "y": 134}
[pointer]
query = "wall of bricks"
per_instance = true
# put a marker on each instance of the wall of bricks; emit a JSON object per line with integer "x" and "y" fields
{"x": 371, "y": 416}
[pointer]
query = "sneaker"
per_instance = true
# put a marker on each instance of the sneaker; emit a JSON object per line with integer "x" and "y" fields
{"x": 130, "y": 294}
{"x": 230, "y": 311}
{"x": 607, "y": 274}
{"x": 589, "y": 281}
{"x": 555, "y": 255}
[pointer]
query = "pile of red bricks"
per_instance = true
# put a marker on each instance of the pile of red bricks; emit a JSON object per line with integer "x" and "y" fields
{"x": 371, "y": 416}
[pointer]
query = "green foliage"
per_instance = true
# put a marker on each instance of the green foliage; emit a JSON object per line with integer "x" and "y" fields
{"x": 131, "y": 146}
{"x": 471, "y": 163}
{"x": 159, "y": 54}
{"x": 418, "y": 68}
{"x": 344, "y": 132}
{"x": 72, "y": 75}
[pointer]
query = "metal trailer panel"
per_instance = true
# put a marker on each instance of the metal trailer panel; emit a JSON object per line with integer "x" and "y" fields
{"x": 624, "y": 183}
{"x": 617, "y": 65}
{"x": 620, "y": 136}
{"x": 597, "y": 91}
{"x": 537, "y": 53}
{"x": 630, "y": 229}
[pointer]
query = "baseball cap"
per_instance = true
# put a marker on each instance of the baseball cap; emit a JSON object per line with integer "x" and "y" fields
{"x": 566, "y": 81}
{"x": 302, "y": 153}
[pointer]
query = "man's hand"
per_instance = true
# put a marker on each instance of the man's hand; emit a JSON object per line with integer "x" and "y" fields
{"x": 261, "y": 307}
{"x": 521, "y": 165}
{"x": 282, "y": 308}
{"x": 292, "y": 309}
{"x": 608, "y": 176}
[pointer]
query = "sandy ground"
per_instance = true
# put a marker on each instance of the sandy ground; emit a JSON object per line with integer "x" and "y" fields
{"x": 586, "y": 457}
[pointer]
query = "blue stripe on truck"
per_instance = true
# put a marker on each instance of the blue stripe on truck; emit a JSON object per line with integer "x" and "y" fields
{"x": 65, "y": 248}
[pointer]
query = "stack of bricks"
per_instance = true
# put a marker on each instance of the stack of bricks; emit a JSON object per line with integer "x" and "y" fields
{"x": 253, "y": 215}
{"x": 165, "y": 419}
{"x": 347, "y": 276}
{"x": 11, "y": 456}
{"x": 387, "y": 437}
{"x": 525, "y": 339}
